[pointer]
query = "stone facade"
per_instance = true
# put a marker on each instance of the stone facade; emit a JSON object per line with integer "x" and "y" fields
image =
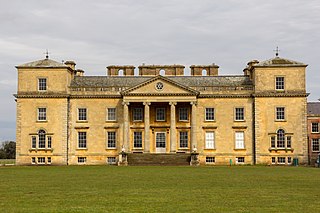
{"x": 66, "y": 118}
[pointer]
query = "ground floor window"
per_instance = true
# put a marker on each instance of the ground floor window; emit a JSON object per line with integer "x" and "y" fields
{"x": 239, "y": 159}
{"x": 111, "y": 143}
{"x": 289, "y": 160}
{"x": 183, "y": 139}
{"x": 41, "y": 160}
{"x": 273, "y": 160}
{"x": 137, "y": 139}
{"x": 111, "y": 160}
{"x": 239, "y": 137}
{"x": 210, "y": 160}
{"x": 33, "y": 160}
{"x": 315, "y": 145}
{"x": 209, "y": 140}
{"x": 281, "y": 160}
{"x": 82, "y": 160}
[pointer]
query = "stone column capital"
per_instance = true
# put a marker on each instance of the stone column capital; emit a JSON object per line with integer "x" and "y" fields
{"x": 194, "y": 103}
{"x": 147, "y": 103}
{"x": 125, "y": 103}
{"x": 172, "y": 103}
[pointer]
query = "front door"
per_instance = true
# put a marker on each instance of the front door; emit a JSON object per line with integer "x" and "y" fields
{"x": 160, "y": 142}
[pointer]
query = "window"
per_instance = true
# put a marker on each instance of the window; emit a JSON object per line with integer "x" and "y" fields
{"x": 111, "y": 140}
{"x": 210, "y": 160}
{"x": 239, "y": 114}
{"x": 239, "y": 136}
{"x": 33, "y": 160}
{"x": 315, "y": 127}
{"x": 42, "y": 84}
{"x": 273, "y": 141}
{"x": 239, "y": 159}
{"x": 280, "y": 114}
{"x": 33, "y": 142}
{"x": 49, "y": 142}
{"x": 42, "y": 139}
{"x": 183, "y": 114}
{"x": 41, "y": 160}
{"x": 49, "y": 160}
{"x": 280, "y": 138}
{"x": 137, "y": 114}
{"x": 183, "y": 139}
{"x": 209, "y": 114}
{"x": 281, "y": 160}
{"x": 209, "y": 140}
{"x": 42, "y": 114}
{"x": 82, "y": 140}
{"x": 204, "y": 72}
{"x": 273, "y": 160}
{"x": 111, "y": 160}
{"x": 82, "y": 160}
{"x": 137, "y": 139}
{"x": 162, "y": 72}
{"x": 289, "y": 160}
{"x": 111, "y": 114}
{"x": 160, "y": 114}
{"x": 288, "y": 141}
{"x": 279, "y": 83}
{"x": 82, "y": 114}
{"x": 315, "y": 145}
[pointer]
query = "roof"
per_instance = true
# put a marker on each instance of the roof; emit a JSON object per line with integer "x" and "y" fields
{"x": 279, "y": 62}
{"x": 43, "y": 63}
{"x": 130, "y": 81}
{"x": 313, "y": 108}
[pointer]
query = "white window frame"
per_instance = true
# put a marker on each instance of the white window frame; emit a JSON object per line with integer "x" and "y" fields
{"x": 42, "y": 138}
{"x": 82, "y": 160}
{"x": 42, "y": 114}
{"x": 49, "y": 160}
{"x": 210, "y": 140}
{"x": 209, "y": 116}
{"x": 273, "y": 160}
{"x": 242, "y": 160}
{"x": 111, "y": 160}
{"x": 183, "y": 139}
{"x": 183, "y": 114}
{"x": 160, "y": 114}
{"x": 315, "y": 140}
{"x": 111, "y": 114}
{"x": 33, "y": 142}
{"x": 83, "y": 140}
{"x": 279, "y": 85}
{"x": 210, "y": 160}
{"x": 137, "y": 139}
{"x": 280, "y": 113}
{"x": 239, "y": 116}
{"x": 280, "y": 161}
{"x": 314, "y": 126}
{"x": 42, "y": 161}
{"x": 239, "y": 141}
{"x": 33, "y": 160}
{"x": 137, "y": 114}
{"x": 111, "y": 140}
{"x": 82, "y": 114}
{"x": 42, "y": 86}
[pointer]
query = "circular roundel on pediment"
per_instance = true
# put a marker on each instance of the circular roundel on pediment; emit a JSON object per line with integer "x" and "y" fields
{"x": 159, "y": 86}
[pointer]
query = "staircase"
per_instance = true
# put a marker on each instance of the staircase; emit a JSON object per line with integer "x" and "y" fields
{"x": 147, "y": 159}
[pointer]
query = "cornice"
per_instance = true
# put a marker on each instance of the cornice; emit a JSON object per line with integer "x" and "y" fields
{"x": 285, "y": 94}
{"x": 160, "y": 94}
{"x": 225, "y": 96}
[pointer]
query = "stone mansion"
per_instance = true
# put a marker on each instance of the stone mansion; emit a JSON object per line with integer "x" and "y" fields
{"x": 67, "y": 118}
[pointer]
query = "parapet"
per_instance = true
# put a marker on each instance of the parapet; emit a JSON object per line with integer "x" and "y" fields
{"x": 204, "y": 70}
{"x": 167, "y": 70}
{"x": 124, "y": 70}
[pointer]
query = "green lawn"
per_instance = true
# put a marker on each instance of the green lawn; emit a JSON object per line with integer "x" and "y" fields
{"x": 159, "y": 189}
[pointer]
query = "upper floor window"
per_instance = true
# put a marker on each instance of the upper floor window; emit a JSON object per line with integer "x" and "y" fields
{"x": 239, "y": 114}
{"x": 239, "y": 140}
{"x": 281, "y": 140}
{"x": 111, "y": 143}
{"x": 279, "y": 83}
{"x": 315, "y": 145}
{"x": 82, "y": 140}
{"x": 160, "y": 114}
{"x": 183, "y": 114}
{"x": 209, "y": 114}
{"x": 111, "y": 114}
{"x": 137, "y": 139}
{"x": 42, "y": 84}
{"x": 82, "y": 114}
{"x": 41, "y": 141}
{"x": 280, "y": 113}
{"x": 137, "y": 114}
{"x": 42, "y": 114}
{"x": 315, "y": 127}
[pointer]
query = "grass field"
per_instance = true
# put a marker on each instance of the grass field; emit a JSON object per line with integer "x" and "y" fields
{"x": 159, "y": 189}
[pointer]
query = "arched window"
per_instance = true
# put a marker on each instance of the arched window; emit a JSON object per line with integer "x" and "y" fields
{"x": 162, "y": 72}
{"x": 120, "y": 72}
{"x": 204, "y": 72}
{"x": 42, "y": 139}
{"x": 281, "y": 138}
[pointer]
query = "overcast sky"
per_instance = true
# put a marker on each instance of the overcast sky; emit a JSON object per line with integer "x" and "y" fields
{"x": 99, "y": 33}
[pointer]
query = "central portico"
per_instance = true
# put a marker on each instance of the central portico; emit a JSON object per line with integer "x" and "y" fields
{"x": 159, "y": 117}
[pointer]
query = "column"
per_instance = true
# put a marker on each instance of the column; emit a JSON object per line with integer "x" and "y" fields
{"x": 173, "y": 132}
{"x": 193, "y": 144}
{"x": 126, "y": 136}
{"x": 146, "y": 126}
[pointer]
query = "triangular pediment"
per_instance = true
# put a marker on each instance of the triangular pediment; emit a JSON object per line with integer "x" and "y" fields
{"x": 160, "y": 85}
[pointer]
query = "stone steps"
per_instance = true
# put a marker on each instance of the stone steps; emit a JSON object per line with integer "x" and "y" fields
{"x": 147, "y": 159}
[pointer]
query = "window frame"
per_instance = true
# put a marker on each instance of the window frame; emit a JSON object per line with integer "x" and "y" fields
{"x": 237, "y": 141}
{"x": 111, "y": 140}
{"x": 42, "y": 116}
{"x": 111, "y": 160}
{"x": 183, "y": 114}
{"x": 160, "y": 114}
{"x": 183, "y": 139}
{"x": 41, "y": 160}
{"x": 137, "y": 139}
{"x": 83, "y": 141}
{"x": 33, "y": 142}
{"x": 42, "y": 136}
{"x": 208, "y": 142}
{"x": 280, "y": 161}
{"x": 82, "y": 115}
{"x": 41, "y": 87}
{"x": 242, "y": 161}
{"x": 313, "y": 145}
{"x": 280, "y": 113}
{"x": 314, "y": 126}
{"x": 280, "y": 83}
{"x": 137, "y": 114}
{"x": 82, "y": 160}
{"x": 210, "y": 159}
{"x": 209, "y": 116}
